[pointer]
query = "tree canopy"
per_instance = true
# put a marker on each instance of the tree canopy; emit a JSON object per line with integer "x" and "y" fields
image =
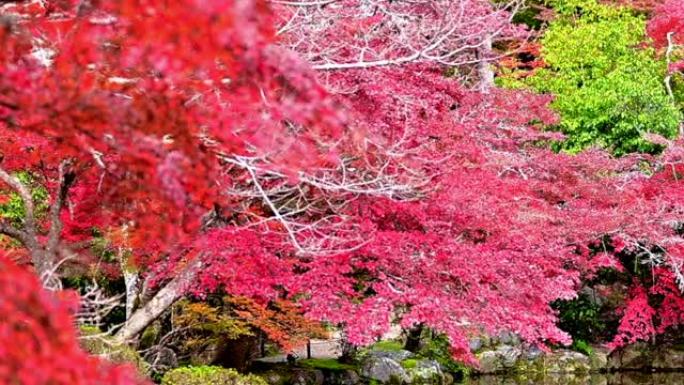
{"x": 318, "y": 153}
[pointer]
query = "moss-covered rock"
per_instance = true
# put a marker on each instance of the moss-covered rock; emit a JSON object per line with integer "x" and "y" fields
{"x": 150, "y": 335}
{"x": 308, "y": 377}
{"x": 95, "y": 342}
{"x": 277, "y": 377}
{"x": 209, "y": 375}
{"x": 426, "y": 372}
{"x": 384, "y": 370}
{"x": 669, "y": 358}
{"x": 642, "y": 356}
{"x": 565, "y": 361}
{"x": 327, "y": 364}
{"x": 598, "y": 359}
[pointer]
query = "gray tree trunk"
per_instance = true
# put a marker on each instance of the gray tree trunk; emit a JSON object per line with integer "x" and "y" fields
{"x": 161, "y": 301}
{"x": 484, "y": 66}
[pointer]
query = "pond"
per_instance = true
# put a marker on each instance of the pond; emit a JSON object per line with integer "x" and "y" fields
{"x": 623, "y": 378}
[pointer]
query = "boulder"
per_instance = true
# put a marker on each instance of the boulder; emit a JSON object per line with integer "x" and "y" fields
{"x": 566, "y": 361}
{"x": 384, "y": 370}
{"x": 598, "y": 360}
{"x": 669, "y": 358}
{"x": 509, "y": 355}
{"x": 633, "y": 357}
{"x": 508, "y": 338}
{"x": 308, "y": 377}
{"x": 426, "y": 372}
{"x": 642, "y": 356}
{"x": 345, "y": 377}
{"x": 510, "y": 359}
{"x": 161, "y": 359}
{"x": 476, "y": 344}
{"x": 490, "y": 362}
{"x": 394, "y": 355}
{"x": 533, "y": 353}
{"x": 503, "y": 359}
{"x": 276, "y": 377}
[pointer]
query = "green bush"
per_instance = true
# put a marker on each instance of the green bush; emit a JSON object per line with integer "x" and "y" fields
{"x": 581, "y": 318}
{"x": 582, "y": 347}
{"x": 13, "y": 209}
{"x": 438, "y": 348}
{"x": 608, "y": 84}
{"x": 209, "y": 375}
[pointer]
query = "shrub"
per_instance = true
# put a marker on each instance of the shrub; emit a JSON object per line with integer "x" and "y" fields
{"x": 608, "y": 86}
{"x": 209, "y": 375}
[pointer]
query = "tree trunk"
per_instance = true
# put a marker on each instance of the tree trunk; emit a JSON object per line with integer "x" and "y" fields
{"x": 348, "y": 350}
{"x": 132, "y": 292}
{"x": 161, "y": 301}
{"x": 413, "y": 338}
{"x": 484, "y": 66}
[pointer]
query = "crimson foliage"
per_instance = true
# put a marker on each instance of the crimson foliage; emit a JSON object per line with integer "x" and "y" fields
{"x": 200, "y": 138}
{"x": 38, "y": 343}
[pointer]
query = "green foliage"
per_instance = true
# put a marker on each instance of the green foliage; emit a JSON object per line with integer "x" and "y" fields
{"x": 608, "y": 85}
{"x": 529, "y": 15}
{"x": 207, "y": 324}
{"x": 209, "y": 375}
{"x": 581, "y": 317}
{"x": 387, "y": 346}
{"x": 582, "y": 346}
{"x": 13, "y": 208}
{"x": 438, "y": 348}
{"x": 325, "y": 364}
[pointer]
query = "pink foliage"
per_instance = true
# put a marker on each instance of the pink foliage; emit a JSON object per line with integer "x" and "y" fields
{"x": 668, "y": 19}
{"x": 637, "y": 320}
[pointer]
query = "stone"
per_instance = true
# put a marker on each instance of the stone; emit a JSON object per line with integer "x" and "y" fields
{"x": 475, "y": 344}
{"x": 384, "y": 370}
{"x": 161, "y": 359}
{"x": 593, "y": 295}
{"x": 509, "y": 355}
{"x": 669, "y": 358}
{"x": 633, "y": 357}
{"x": 598, "y": 360}
{"x": 533, "y": 353}
{"x": 346, "y": 377}
{"x": 566, "y": 361}
{"x": 426, "y": 372}
{"x": 508, "y": 338}
{"x": 504, "y": 358}
{"x": 206, "y": 355}
{"x": 394, "y": 355}
{"x": 308, "y": 377}
{"x": 490, "y": 362}
{"x": 275, "y": 378}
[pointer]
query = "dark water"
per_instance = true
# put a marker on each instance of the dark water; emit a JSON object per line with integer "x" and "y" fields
{"x": 628, "y": 378}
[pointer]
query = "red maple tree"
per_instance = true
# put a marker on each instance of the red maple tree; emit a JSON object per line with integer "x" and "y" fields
{"x": 317, "y": 150}
{"x": 38, "y": 339}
